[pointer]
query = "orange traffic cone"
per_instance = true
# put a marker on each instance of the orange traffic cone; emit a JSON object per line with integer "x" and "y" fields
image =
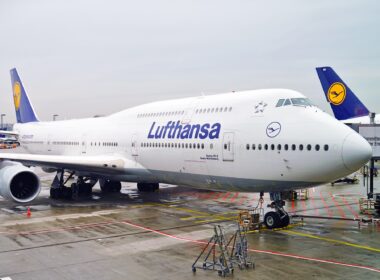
{"x": 28, "y": 213}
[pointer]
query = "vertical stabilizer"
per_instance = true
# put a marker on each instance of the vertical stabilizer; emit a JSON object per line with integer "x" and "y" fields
{"x": 24, "y": 109}
{"x": 343, "y": 101}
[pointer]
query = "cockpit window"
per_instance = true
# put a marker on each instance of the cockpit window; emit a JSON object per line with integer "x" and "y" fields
{"x": 280, "y": 102}
{"x": 301, "y": 102}
{"x": 295, "y": 102}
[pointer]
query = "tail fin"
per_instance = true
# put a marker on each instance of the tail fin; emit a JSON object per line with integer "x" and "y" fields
{"x": 24, "y": 109}
{"x": 343, "y": 101}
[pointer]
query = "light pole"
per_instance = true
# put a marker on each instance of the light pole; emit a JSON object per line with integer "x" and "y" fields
{"x": 2, "y": 123}
{"x": 55, "y": 116}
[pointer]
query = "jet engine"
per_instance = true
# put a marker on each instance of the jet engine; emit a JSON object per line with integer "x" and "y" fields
{"x": 18, "y": 182}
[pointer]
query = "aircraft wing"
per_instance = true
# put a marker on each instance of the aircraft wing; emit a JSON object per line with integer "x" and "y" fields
{"x": 104, "y": 164}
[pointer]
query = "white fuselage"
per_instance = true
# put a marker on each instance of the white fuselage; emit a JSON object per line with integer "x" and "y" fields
{"x": 218, "y": 142}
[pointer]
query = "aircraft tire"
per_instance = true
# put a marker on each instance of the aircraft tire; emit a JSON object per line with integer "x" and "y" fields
{"x": 285, "y": 221}
{"x": 272, "y": 220}
{"x": 147, "y": 187}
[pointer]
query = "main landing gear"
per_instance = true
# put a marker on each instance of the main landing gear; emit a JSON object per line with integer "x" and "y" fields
{"x": 147, "y": 187}
{"x": 279, "y": 217}
{"x": 108, "y": 186}
{"x": 81, "y": 187}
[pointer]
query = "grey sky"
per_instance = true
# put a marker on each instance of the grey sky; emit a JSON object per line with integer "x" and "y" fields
{"x": 80, "y": 58}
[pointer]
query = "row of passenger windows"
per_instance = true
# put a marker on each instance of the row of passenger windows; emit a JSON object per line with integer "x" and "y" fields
{"x": 67, "y": 143}
{"x": 105, "y": 144}
{"x": 176, "y": 113}
{"x": 71, "y": 143}
{"x": 160, "y": 114}
{"x": 286, "y": 147}
{"x": 212, "y": 110}
{"x": 176, "y": 145}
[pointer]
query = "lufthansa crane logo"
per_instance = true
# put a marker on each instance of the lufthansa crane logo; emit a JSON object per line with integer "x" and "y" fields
{"x": 17, "y": 94}
{"x": 336, "y": 93}
{"x": 273, "y": 129}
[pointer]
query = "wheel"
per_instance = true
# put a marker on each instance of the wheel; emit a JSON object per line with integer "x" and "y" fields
{"x": 147, "y": 187}
{"x": 75, "y": 191}
{"x": 272, "y": 220}
{"x": 108, "y": 186}
{"x": 116, "y": 186}
{"x": 194, "y": 269}
{"x": 55, "y": 193}
{"x": 285, "y": 221}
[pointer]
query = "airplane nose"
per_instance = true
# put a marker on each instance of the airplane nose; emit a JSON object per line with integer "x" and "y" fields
{"x": 356, "y": 151}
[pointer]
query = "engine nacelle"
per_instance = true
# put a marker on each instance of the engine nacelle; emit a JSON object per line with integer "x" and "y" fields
{"x": 18, "y": 182}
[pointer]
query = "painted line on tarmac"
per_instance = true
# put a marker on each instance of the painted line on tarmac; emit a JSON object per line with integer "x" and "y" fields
{"x": 340, "y": 209}
{"x": 353, "y": 212}
{"x": 274, "y": 253}
{"x": 333, "y": 240}
{"x": 325, "y": 205}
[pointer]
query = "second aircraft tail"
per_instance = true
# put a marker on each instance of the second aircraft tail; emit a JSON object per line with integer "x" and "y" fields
{"x": 24, "y": 108}
{"x": 343, "y": 101}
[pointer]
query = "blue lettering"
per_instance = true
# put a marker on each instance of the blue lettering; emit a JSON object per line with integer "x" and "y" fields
{"x": 214, "y": 133}
{"x": 204, "y": 131}
{"x": 174, "y": 130}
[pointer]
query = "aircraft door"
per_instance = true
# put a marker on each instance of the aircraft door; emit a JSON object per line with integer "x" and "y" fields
{"x": 134, "y": 145}
{"x": 49, "y": 144}
{"x": 228, "y": 146}
{"x": 83, "y": 144}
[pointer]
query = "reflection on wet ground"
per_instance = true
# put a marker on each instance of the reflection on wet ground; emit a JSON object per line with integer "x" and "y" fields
{"x": 158, "y": 235}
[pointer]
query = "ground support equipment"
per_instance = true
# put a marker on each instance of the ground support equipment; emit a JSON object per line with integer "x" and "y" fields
{"x": 215, "y": 255}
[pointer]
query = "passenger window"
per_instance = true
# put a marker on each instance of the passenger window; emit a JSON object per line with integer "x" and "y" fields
{"x": 212, "y": 110}
{"x": 308, "y": 147}
{"x": 203, "y": 146}
{"x": 301, "y": 147}
{"x": 225, "y": 146}
{"x": 326, "y": 147}
{"x": 287, "y": 102}
{"x": 286, "y": 147}
{"x": 259, "y": 146}
{"x": 266, "y": 146}
{"x": 253, "y": 147}
{"x": 317, "y": 147}
{"x": 272, "y": 147}
{"x": 280, "y": 102}
{"x": 279, "y": 147}
{"x": 293, "y": 147}
{"x": 211, "y": 146}
{"x": 247, "y": 146}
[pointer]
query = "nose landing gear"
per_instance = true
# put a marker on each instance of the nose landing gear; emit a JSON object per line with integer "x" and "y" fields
{"x": 279, "y": 217}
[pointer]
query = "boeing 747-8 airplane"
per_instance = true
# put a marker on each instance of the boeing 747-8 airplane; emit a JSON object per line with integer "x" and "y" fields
{"x": 270, "y": 140}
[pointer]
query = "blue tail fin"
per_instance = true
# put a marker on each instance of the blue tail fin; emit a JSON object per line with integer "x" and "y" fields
{"x": 24, "y": 109}
{"x": 343, "y": 101}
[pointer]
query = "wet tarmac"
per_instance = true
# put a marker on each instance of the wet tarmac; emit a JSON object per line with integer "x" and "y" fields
{"x": 159, "y": 235}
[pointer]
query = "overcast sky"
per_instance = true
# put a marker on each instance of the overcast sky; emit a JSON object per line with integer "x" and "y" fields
{"x": 81, "y": 58}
